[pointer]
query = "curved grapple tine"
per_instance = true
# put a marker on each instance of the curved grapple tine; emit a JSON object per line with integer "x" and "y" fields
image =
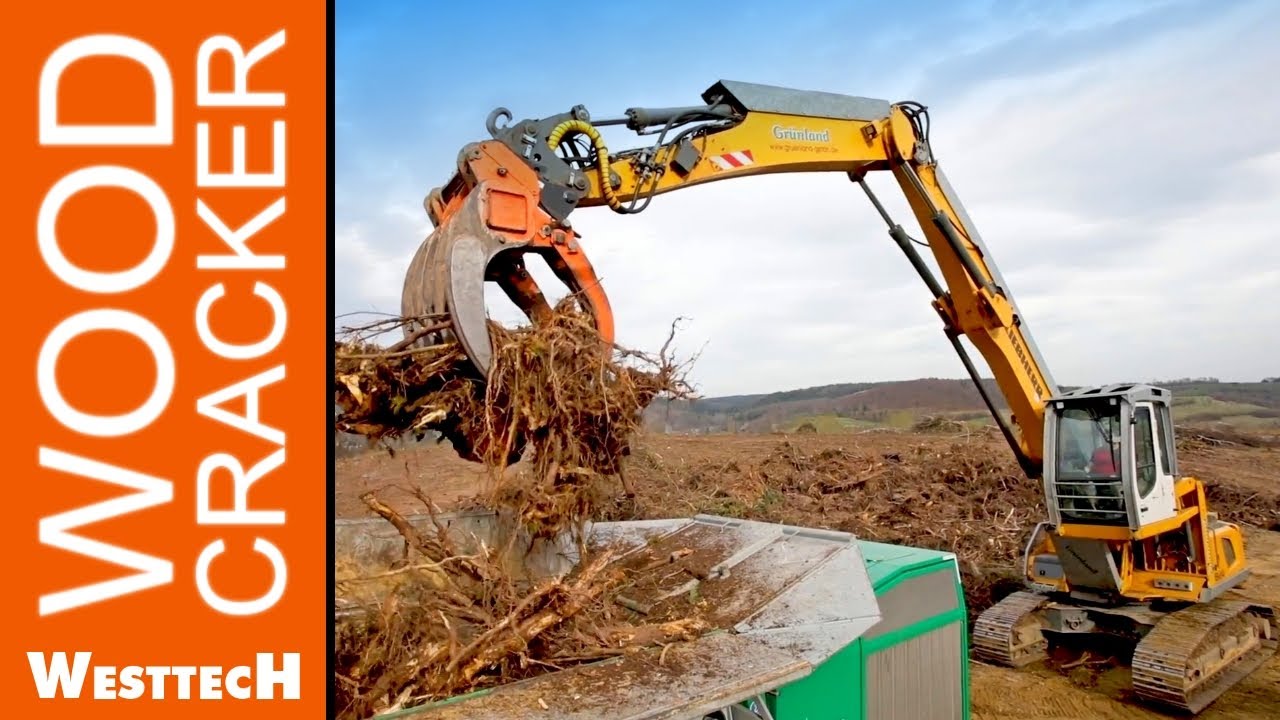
{"x": 423, "y": 293}
{"x": 467, "y": 260}
{"x": 447, "y": 277}
{"x": 433, "y": 288}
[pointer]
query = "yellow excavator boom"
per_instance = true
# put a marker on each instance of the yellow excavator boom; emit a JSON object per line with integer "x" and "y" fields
{"x": 753, "y": 129}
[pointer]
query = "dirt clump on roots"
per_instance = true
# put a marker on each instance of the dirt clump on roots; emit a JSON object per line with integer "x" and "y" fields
{"x": 449, "y": 619}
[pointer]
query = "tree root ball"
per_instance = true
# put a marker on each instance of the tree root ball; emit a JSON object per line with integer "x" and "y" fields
{"x": 556, "y": 392}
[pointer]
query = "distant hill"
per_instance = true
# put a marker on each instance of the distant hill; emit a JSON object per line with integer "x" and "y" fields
{"x": 851, "y": 406}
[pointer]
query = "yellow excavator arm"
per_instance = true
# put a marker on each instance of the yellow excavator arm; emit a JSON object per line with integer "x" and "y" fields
{"x": 1124, "y": 530}
{"x": 744, "y": 129}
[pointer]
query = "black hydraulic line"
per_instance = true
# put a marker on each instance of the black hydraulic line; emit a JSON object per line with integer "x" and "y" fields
{"x": 901, "y": 237}
{"x": 949, "y": 232}
{"x": 904, "y": 241}
{"x": 957, "y": 246}
{"x": 1028, "y": 466}
{"x": 641, "y": 118}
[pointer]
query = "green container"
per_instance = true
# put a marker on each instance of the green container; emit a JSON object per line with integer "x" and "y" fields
{"x": 912, "y": 665}
{"x": 827, "y": 627}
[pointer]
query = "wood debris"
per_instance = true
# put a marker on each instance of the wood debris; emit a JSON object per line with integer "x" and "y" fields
{"x": 447, "y": 622}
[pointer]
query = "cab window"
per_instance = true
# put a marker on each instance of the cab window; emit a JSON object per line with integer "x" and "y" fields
{"x": 1144, "y": 450}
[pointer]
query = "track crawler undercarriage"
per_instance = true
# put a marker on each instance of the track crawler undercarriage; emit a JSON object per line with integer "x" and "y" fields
{"x": 1184, "y": 657}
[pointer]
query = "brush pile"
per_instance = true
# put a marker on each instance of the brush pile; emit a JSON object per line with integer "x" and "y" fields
{"x": 447, "y": 620}
{"x": 555, "y": 391}
{"x": 966, "y": 497}
{"x": 939, "y": 424}
{"x": 450, "y": 618}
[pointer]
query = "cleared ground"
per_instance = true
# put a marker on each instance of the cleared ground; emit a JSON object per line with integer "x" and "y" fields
{"x": 957, "y": 492}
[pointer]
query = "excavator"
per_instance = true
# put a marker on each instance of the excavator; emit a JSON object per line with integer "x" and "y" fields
{"x": 1129, "y": 547}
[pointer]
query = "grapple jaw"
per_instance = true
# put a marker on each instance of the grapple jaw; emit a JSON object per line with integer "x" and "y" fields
{"x": 486, "y": 219}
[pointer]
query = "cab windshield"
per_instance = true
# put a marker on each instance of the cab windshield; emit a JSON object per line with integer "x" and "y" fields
{"x": 1088, "y": 485}
{"x": 1089, "y": 442}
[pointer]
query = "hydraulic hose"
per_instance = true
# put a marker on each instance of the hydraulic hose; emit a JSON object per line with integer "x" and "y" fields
{"x": 602, "y": 154}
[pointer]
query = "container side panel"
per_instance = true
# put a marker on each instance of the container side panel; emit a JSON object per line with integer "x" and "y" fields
{"x": 914, "y": 600}
{"x": 919, "y": 678}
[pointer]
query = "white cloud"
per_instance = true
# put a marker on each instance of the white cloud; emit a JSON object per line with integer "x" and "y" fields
{"x": 372, "y": 274}
{"x": 1128, "y": 197}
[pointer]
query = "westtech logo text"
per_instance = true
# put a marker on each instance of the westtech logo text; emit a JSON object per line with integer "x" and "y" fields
{"x": 268, "y": 678}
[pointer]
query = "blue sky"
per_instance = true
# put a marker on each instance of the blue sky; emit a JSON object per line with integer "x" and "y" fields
{"x": 1121, "y": 159}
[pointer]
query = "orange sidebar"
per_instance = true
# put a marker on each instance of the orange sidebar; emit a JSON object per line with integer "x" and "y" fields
{"x": 166, "y": 516}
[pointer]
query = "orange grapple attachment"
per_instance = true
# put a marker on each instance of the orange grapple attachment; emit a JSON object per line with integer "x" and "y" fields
{"x": 486, "y": 219}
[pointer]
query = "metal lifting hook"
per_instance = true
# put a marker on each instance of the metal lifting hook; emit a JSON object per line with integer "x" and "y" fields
{"x": 491, "y": 122}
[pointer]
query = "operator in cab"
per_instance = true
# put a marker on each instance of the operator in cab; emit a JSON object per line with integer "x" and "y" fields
{"x": 1103, "y": 462}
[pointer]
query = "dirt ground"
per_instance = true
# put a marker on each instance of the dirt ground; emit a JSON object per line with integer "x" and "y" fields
{"x": 952, "y": 492}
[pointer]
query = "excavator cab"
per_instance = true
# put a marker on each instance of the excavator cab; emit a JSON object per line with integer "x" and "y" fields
{"x": 1110, "y": 458}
